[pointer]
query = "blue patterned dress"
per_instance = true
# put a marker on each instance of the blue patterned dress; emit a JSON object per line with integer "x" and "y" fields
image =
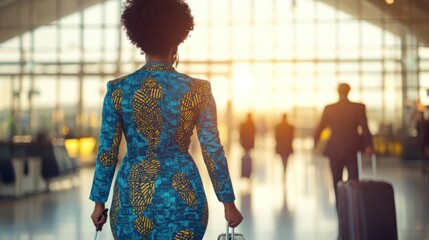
{"x": 158, "y": 192}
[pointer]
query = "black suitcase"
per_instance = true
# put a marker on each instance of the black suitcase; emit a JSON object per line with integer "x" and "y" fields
{"x": 366, "y": 209}
{"x": 246, "y": 166}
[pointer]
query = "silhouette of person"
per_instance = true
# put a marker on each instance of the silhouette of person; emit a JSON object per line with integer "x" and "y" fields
{"x": 247, "y": 134}
{"x": 247, "y": 141}
{"x": 284, "y": 133}
{"x": 344, "y": 118}
{"x": 422, "y": 128}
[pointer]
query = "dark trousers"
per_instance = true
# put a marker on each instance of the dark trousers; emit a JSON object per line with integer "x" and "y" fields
{"x": 337, "y": 166}
{"x": 284, "y": 160}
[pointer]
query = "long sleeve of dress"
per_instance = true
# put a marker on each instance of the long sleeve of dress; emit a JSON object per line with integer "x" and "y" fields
{"x": 213, "y": 153}
{"x": 110, "y": 138}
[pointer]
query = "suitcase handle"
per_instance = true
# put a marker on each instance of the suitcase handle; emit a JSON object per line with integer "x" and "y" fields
{"x": 373, "y": 164}
{"x": 227, "y": 232}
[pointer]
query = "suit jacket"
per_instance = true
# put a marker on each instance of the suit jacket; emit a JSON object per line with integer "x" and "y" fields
{"x": 247, "y": 135}
{"x": 422, "y": 128}
{"x": 284, "y": 136}
{"x": 344, "y": 119}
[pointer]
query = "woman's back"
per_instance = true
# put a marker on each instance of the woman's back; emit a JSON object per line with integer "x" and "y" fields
{"x": 158, "y": 108}
{"x": 158, "y": 192}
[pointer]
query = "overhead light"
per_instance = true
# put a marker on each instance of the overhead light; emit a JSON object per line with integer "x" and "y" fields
{"x": 390, "y": 1}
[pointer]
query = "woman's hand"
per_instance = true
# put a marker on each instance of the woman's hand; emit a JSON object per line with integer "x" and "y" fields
{"x": 97, "y": 216}
{"x": 232, "y": 215}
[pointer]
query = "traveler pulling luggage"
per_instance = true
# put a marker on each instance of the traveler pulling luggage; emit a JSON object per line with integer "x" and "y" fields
{"x": 366, "y": 208}
{"x": 232, "y": 236}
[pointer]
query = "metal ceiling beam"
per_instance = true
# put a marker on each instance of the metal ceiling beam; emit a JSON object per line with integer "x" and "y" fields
{"x": 413, "y": 14}
{"x": 398, "y": 18}
{"x": 20, "y": 16}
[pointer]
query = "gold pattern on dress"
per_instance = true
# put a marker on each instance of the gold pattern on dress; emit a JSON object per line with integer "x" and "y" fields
{"x": 142, "y": 184}
{"x": 148, "y": 118}
{"x": 184, "y": 235}
{"x": 159, "y": 67}
{"x": 110, "y": 158}
{"x": 147, "y": 114}
{"x": 183, "y": 186}
{"x": 144, "y": 226}
{"x": 117, "y": 100}
{"x": 205, "y": 216}
{"x": 210, "y": 163}
{"x": 117, "y": 80}
{"x": 190, "y": 105}
{"x": 116, "y": 202}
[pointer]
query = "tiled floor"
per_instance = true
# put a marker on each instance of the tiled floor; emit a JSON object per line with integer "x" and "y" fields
{"x": 300, "y": 209}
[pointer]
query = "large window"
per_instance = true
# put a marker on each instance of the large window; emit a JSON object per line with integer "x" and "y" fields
{"x": 264, "y": 56}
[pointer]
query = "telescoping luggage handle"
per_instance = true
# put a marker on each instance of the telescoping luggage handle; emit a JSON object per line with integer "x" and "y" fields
{"x": 227, "y": 232}
{"x": 103, "y": 214}
{"x": 373, "y": 163}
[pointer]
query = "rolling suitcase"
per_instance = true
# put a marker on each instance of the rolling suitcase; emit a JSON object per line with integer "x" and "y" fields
{"x": 366, "y": 208}
{"x": 246, "y": 166}
{"x": 232, "y": 236}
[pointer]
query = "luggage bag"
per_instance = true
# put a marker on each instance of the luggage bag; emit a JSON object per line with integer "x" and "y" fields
{"x": 230, "y": 236}
{"x": 366, "y": 208}
{"x": 246, "y": 166}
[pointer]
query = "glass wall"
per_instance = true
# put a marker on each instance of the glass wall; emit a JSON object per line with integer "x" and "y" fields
{"x": 264, "y": 56}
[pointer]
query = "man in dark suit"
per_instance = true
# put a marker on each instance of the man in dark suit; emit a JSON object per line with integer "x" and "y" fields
{"x": 247, "y": 141}
{"x": 349, "y": 134}
{"x": 247, "y": 134}
{"x": 284, "y": 133}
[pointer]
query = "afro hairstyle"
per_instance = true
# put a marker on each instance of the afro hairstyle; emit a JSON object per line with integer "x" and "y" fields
{"x": 157, "y": 26}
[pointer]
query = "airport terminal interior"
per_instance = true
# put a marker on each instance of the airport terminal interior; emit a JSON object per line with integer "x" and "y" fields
{"x": 265, "y": 57}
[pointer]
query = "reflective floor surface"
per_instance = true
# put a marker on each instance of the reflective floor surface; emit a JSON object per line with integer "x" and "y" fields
{"x": 299, "y": 208}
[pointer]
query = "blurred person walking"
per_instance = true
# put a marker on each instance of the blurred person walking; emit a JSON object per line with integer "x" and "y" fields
{"x": 247, "y": 141}
{"x": 422, "y": 140}
{"x": 348, "y": 124}
{"x": 158, "y": 192}
{"x": 247, "y": 133}
{"x": 284, "y": 135}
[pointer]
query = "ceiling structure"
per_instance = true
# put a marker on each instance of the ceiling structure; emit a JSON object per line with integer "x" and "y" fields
{"x": 20, "y": 16}
{"x": 401, "y": 16}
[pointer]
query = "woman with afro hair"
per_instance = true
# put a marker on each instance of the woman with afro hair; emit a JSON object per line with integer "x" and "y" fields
{"x": 158, "y": 192}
